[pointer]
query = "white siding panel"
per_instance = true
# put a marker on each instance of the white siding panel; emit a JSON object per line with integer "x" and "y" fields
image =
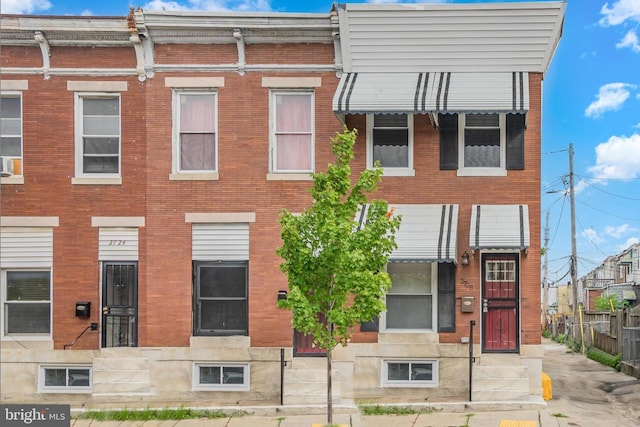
{"x": 499, "y": 227}
{"x": 118, "y": 244}
{"x": 22, "y": 247}
{"x": 220, "y": 242}
{"x": 427, "y": 232}
{"x": 450, "y": 37}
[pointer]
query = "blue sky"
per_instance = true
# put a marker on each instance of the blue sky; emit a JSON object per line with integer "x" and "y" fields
{"x": 591, "y": 100}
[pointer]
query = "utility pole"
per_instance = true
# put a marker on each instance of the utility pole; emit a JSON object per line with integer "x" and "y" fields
{"x": 574, "y": 256}
{"x": 545, "y": 275}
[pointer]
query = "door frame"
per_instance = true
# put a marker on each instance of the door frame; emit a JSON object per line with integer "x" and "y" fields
{"x": 505, "y": 304}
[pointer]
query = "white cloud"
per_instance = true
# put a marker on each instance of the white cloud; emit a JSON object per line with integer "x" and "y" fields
{"x": 630, "y": 40}
{"x": 86, "y": 12}
{"x": 619, "y": 12}
{"x": 630, "y": 242}
{"x": 618, "y": 158}
{"x": 407, "y": 1}
{"x": 24, "y": 6}
{"x": 610, "y": 97}
{"x": 592, "y": 236}
{"x": 619, "y": 231}
{"x": 210, "y": 5}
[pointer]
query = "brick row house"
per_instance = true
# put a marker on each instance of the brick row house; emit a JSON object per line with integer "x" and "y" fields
{"x": 146, "y": 159}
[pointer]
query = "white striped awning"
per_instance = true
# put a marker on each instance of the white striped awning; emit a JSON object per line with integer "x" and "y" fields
{"x": 427, "y": 232}
{"x": 499, "y": 227}
{"x": 435, "y": 92}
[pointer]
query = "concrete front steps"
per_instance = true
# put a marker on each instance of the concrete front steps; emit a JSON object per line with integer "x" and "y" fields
{"x": 123, "y": 372}
{"x": 305, "y": 382}
{"x": 500, "y": 377}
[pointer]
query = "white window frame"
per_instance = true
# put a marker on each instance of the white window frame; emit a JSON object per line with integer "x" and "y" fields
{"x": 43, "y": 388}
{"x": 483, "y": 171}
{"x": 3, "y": 301}
{"x": 79, "y": 134}
{"x": 273, "y": 155}
{"x": 391, "y": 171}
{"x": 434, "y": 303}
{"x": 177, "y": 172}
{"x": 16, "y": 94}
{"x": 245, "y": 386}
{"x": 386, "y": 382}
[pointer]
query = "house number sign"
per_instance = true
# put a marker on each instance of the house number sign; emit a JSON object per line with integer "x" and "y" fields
{"x": 117, "y": 242}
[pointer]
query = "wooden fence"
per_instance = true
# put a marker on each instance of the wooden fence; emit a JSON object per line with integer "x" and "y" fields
{"x": 616, "y": 333}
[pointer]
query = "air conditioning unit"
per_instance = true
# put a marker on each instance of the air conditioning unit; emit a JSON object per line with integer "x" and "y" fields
{"x": 6, "y": 167}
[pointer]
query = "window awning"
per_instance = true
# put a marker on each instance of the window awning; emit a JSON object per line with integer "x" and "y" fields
{"x": 427, "y": 233}
{"x": 499, "y": 227}
{"x": 433, "y": 92}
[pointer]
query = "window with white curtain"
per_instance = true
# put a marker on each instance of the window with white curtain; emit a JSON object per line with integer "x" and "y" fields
{"x": 390, "y": 142}
{"x": 195, "y": 133}
{"x": 292, "y": 132}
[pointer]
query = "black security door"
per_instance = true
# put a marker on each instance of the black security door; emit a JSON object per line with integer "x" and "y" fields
{"x": 119, "y": 304}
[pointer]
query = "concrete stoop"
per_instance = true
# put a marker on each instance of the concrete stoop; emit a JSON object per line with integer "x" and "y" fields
{"x": 305, "y": 383}
{"x": 124, "y": 376}
{"x": 500, "y": 383}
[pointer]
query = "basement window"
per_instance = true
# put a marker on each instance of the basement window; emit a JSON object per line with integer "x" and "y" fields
{"x": 221, "y": 376}
{"x": 410, "y": 373}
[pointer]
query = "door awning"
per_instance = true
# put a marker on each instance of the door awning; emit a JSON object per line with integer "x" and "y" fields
{"x": 433, "y": 92}
{"x": 499, "y": 227}
{"x": 427, "y": 233}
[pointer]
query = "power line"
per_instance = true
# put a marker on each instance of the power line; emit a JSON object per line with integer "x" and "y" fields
{"x": 590, "y": 184}
{"x": 609, "y": 213}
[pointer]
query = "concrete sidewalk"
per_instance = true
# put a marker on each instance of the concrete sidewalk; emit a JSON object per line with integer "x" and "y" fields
{"x": 487, "y": 414}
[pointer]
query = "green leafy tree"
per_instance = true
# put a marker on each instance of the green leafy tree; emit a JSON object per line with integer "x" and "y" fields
{"x": 335, "y": 266}
{"x": 609, "y": 302}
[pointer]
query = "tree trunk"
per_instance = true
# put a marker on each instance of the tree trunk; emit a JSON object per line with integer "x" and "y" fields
{"x": 329, "y": 399}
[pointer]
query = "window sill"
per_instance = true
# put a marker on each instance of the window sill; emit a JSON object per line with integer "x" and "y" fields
{"x": 410, "y": 384}
{"x": 482, "y": 172}
{"x": 203, "y": 176}
{"x": 96, "y": 181}
{"x": 289, "y": 177}
{"x": 397, "y": 171}
{"x": 12, "y": 180}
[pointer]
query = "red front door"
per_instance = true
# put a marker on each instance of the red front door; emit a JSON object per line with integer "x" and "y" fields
{"x": 500, "y": 303}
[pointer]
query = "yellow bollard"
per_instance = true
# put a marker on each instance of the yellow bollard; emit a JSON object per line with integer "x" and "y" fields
{"x": 547, "y": 389}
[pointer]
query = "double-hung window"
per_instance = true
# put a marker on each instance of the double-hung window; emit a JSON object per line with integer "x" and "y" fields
{"x": 390, "y": 142}
{"x": 292, "y": 131}
{"x": 11, "y": 133}
{"x": 195, "y": 132}
{"x": 26, "y": 298}
{"x": 411, "y": 298}
{"x": 97, "y": 135}
{"x": 220, "y": 296}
